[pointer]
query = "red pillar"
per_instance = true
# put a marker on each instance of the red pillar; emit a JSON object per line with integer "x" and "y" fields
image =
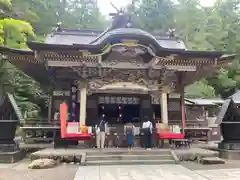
{"x": 63, "y": 119}
{"x": 181, "y": 76}
{"x": 182, "y": 111}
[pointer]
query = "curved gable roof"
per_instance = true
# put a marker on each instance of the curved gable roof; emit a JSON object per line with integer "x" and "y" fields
{"x": 86, "y": 36}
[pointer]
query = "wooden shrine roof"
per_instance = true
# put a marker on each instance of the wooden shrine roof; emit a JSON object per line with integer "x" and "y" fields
{"x": 86, "y": 36}
{"x": 119, "y": 52}
{"x": 25, "y": 61}
{"x": 65, "y": 49}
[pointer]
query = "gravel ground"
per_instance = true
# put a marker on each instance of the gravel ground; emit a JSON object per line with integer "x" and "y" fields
{"x": 20, "y": 171}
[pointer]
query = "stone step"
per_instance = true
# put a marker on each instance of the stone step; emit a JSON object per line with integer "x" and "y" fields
{"x": 130, "y": 157}
{"x": 125, "y": 152}
{"x": 11, "y": 157}
{"x": 129, "y": 162}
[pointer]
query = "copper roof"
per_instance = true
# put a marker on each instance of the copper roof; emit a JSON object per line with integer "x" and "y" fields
{"x": 86, "y": 36}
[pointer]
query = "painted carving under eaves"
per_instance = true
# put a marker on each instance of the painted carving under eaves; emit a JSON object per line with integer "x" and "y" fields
{"x": 135, "y": 76}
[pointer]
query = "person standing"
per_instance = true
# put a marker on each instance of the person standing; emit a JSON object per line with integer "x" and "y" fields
{"x": 101, "y": 128}
{"x": 129, "y": 131}
{"x": 147, "y": 128}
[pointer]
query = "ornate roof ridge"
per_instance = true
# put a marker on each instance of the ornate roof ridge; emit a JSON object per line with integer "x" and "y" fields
{"x": 79, "y": 30}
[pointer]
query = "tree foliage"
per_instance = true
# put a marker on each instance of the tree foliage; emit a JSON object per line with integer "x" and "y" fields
{"x": 200, "y": 89}
{"x": 14, "y": 33}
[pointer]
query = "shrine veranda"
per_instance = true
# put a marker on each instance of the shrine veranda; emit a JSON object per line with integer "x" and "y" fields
{"x": 122, "y": 75}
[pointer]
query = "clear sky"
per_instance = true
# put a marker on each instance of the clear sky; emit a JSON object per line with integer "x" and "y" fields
{"x": 106, "y": 7}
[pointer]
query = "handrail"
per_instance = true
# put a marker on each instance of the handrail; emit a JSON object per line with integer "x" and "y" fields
{"x": 8, "y": 121}
{"x": 15, "y": 107}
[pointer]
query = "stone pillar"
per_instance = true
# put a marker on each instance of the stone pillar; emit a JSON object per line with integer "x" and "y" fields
{"x": 83, "y": 103}
{"x": 164, "y": 108}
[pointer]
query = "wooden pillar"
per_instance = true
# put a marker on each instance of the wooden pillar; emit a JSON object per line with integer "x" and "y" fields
{"x": 146, "y": 106}
{"x": 50, "y": 117}
{"x": 164, "y": 108}
{"x": 83, "y": 102}
{"x": 92, "y": 110}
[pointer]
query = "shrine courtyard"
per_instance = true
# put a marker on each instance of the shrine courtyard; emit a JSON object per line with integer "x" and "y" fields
{"x": 186, "y": 171}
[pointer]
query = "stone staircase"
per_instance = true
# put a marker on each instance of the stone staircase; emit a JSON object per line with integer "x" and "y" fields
{"x": 151, "y": 157}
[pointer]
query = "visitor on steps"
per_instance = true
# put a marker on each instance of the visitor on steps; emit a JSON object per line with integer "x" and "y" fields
{"x": 129, "y": 131}
{"x": 147, "y": 128}
{"x": 100, "y": 129}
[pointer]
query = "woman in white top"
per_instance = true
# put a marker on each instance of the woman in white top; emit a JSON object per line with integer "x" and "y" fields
{"x": 147, "y": 130}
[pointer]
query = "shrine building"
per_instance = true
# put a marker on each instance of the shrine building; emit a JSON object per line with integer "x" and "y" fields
{"x": 121, "y": 74}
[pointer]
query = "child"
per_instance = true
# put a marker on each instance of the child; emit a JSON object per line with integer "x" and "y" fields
{"x": 129, "y": 130}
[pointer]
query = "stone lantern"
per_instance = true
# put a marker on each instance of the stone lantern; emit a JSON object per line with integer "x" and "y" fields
{"x": 10, "y": 116}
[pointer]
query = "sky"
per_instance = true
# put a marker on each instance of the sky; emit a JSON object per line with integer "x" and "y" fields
{"x": 106, "y": 7}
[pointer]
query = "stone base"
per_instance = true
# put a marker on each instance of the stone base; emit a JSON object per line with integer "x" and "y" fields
{"x": 11, "y": 157}
{"x": 12, "y": 147}
{"x": 229, "y": 154}
{"x": 229, "y": 145}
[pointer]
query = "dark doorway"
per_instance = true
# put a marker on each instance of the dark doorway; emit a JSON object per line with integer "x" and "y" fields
{"x": 157, "y": 111}
{"x": 109, "y": 112}
{"x": 130, "y": 113}
{"x": 119, "y": 113}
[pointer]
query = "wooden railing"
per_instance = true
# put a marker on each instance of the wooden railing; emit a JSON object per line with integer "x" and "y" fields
{"x": 39, "y": 131}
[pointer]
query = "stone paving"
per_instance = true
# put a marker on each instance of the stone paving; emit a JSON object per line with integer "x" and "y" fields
{"x": 137, "y": 172}
{"x": 19, "y": 171}
{"x": 220, "y": 174}
{"x": 153, "y": 172}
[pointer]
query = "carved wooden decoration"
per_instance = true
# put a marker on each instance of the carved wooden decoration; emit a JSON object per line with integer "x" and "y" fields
{"x": 135, "y": 76}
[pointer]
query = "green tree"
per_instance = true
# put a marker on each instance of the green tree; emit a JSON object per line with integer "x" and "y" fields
{"x": 152, "y": 15}
{"x": 14, "y": 33}
{"x": 200, "y": 89}
{"x": 86, "y": 13}
{"x": 226, "y": 81}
